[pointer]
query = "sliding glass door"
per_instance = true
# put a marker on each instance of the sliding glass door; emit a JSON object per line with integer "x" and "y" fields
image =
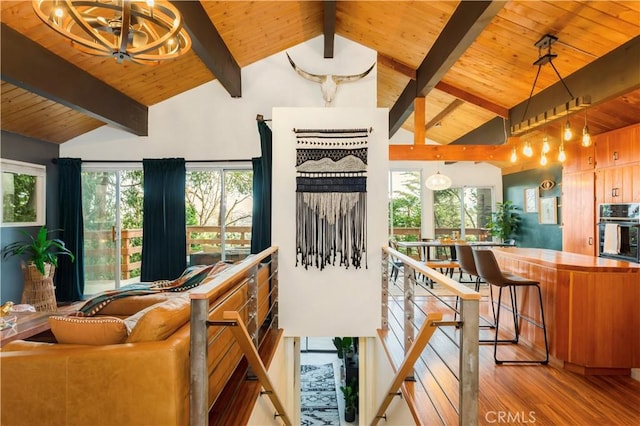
{"x": 112, "y": 209}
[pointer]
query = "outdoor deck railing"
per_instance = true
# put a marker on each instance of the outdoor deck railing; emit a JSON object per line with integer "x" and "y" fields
{"x": 99, "y": 246}
{"x": 434, "y": 336}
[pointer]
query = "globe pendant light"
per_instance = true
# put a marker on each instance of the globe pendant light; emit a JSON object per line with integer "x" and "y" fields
{"x": 438, "y": 182}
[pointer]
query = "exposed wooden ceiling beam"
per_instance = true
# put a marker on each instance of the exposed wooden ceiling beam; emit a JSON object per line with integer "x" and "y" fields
{"x": 28, "y": 65}
{"x": 445, "y": 112}
{"x": 466, "y": 23}
{"x": 499, "y": 110}
{"x": 418, "y": 120}
{"x": 449, "y": 153}
{"x": 390, "y": 62}
{"x": 210, "y": 46}
{"x": 407, "y": 71}
{"x": 609, "y": 76}
{"x": 329, "y": 27}
{"x": 399, "y": 113}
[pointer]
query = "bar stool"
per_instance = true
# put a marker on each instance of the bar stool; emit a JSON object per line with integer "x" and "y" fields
{"x": 489, "y": 270}
{"x": 467, "y": 263}
{"x": 468, "y": 266}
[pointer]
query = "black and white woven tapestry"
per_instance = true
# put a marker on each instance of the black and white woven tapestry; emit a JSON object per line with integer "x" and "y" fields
{"x": 331, "y": 197}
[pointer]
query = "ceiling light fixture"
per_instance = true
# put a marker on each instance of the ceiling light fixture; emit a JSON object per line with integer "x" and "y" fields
{"x": 543, "y": 159}
{"x": 514, "y": 155}
{"x": 137, "y": 31}
{"x": 586, "y": 137}
{"x": 527, "y": 150}
{"x": 545, "y": 145}
{"x": 574, "y": 104}
{"x": 438, "y": 182}
{"x": 568, "y": 134}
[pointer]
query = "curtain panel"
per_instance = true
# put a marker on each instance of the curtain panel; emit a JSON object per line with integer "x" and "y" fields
{"x": 261, "y": 221}
{"x": 69, "y": 277}
{"x": 164, "y": 240}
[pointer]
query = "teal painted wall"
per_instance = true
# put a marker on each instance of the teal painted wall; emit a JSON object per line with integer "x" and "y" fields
{"x": 530, "y": 232}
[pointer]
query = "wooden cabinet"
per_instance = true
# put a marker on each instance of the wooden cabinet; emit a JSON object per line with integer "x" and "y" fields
{"x": 618, "y": 148}
{"x": 614, "y": 178}
{"x": 579, "y": 158}
{"x": 578, "y": 213}
{"x": 618, "y": 184}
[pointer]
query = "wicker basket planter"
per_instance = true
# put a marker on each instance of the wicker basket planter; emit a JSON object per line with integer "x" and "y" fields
{"x": 39, "y": 290}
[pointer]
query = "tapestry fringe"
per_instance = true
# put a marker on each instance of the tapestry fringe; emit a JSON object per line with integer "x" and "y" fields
{"x": 331, "y": 227}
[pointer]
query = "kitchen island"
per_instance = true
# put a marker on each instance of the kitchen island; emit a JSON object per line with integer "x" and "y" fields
{"x": 591, "y": 305}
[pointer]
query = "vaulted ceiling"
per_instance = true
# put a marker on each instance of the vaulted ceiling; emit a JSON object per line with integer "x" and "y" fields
{"x": 457, "y": 73}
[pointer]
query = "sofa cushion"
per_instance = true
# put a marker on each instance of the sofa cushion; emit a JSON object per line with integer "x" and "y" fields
{"x": 130, "y": 305}
{"x": 88, "y": 331}
{"x": 159, "y": 321}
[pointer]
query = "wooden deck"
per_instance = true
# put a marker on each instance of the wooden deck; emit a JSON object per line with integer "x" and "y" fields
{"x": 529, "y": 394}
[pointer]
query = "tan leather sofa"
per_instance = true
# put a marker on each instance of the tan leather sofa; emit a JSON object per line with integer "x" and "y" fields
{"x": 141, "y": 383}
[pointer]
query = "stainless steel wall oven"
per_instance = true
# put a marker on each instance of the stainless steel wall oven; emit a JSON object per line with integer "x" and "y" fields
{"x": 618, "y": 231}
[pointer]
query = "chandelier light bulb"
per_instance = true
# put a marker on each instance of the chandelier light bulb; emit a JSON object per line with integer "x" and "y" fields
{"x": 562, "y": 156}
{"x": 545, "y": 145}
{"x": 514, "y": 155}
{"x": 568, "y": 134}
{"x": 58, "y": 12}
{"x": 543, "y": 159}
{"x": 586, "y": 137}
{"x": 528, "y": 151}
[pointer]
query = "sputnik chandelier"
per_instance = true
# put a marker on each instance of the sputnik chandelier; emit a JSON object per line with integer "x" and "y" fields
{"x": 144, "y": 32}
{"x": 557, "y": 112}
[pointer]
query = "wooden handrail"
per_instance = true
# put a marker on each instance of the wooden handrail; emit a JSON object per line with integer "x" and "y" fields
{"x": 450, "y": 284}
{"x": 221, "y": 283}
{"x": 426, "y": 331}
{"x": 245, "y": 342}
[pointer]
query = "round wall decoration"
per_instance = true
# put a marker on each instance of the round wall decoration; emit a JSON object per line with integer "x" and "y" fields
{"x": 547, "y": 184}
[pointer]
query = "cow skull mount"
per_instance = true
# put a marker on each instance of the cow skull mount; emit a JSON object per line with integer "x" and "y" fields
{"x": 328, "y": 82}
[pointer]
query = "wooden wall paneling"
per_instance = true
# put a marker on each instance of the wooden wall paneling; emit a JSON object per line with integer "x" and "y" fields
{"x": 578, "y": 213}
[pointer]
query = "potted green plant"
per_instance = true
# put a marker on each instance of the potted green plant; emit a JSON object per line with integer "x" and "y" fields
{"x": 350, "y": 401}
{"x": 504, "y": 221}
{"x": 42, "y": 259}
{"x": 344, "y": 346}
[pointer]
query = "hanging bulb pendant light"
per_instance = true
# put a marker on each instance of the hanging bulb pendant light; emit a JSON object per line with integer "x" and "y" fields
{"x": 568, "y": 134}
{"x": 528, "y": 151}
{"x": 514, "y": 155}
{"x": 586, "y": 137}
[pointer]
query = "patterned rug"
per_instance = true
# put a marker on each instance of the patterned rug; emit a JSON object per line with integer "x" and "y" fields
{"x": 319, "y": 404}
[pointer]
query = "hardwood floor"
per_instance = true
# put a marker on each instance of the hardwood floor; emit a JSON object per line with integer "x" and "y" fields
{"x": 527, "y": 394}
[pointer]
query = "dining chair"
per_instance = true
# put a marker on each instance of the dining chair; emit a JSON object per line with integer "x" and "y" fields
{"x": 395, "y": 263}
{"x": 489, "y": 270}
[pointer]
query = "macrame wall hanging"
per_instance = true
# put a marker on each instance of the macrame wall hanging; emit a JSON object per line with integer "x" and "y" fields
{"x": 331, "y": 197}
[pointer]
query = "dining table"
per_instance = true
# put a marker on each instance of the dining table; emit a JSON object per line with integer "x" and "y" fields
{"x": 424, "y": 246}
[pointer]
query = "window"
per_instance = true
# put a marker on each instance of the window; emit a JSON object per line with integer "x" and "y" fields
{"x": 405, "y": 210}
{"x": 219, "y": 213}
{"x": 219, "y": 205}
{"x": 462, "y": 213}
{"x": 23, "y": 193}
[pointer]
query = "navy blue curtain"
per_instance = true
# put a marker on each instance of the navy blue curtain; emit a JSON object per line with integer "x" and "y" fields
{"x": 164, "y": 239}
{"x": 69, "y": 277}
{"x": 261, "y": 222}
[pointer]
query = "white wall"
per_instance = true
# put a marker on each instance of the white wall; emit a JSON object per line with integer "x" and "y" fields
{"x": 206, "y": 123}
{"x": 334, "y": 301}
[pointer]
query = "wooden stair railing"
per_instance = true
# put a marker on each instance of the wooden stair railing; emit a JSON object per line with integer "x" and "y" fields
{"x": 239, "y": 330}
{"x": 426, "y": 331}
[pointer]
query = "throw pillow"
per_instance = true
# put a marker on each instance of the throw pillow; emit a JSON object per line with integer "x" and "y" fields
{"x": 88, "y": 331}
{"x": 159, "y": 321}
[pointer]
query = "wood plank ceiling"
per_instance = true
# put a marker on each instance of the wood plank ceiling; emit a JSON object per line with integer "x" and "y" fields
{"x": 472, "y": 61}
